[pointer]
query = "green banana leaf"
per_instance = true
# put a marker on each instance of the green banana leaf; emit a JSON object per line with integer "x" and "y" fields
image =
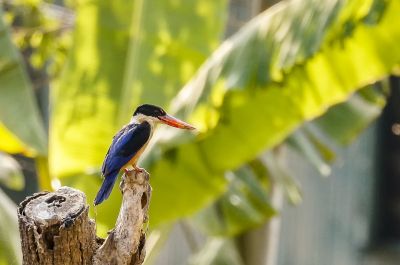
{"x": 246, "y": 203}
{"x": 341, "y": 124}
{"x": 9, "y": 234}
{"x": 344, "y": 122}
{"x": 285, "y": 67}
{"x": 217, "y": 251}
{"x": 170, "y": 40}
{"x": 123, "y": 54}
{"x": 85, "y": 99}
{"x": 21, "y": 127}
{"x": 259, "y": 86}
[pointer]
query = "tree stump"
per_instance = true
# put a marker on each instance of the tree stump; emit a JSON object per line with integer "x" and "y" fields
{"x": 55, "y": 227}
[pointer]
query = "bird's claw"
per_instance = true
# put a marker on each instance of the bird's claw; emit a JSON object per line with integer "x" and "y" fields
{"x": 138, "y": 169}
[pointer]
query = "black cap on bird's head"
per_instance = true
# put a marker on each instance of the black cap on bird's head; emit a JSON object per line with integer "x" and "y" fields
{"x": 162, "y": 116}
{"x": 149, "y": 110}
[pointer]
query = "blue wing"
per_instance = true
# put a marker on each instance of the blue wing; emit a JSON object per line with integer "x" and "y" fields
{"x": 126, "y": 143}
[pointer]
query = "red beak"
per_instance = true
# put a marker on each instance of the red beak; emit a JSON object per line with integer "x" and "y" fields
{"x": 174, "y": 122}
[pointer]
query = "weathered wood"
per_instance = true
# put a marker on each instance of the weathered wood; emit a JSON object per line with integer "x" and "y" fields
{"x": 55, "y": 228}
{"x": 125, "y": 243}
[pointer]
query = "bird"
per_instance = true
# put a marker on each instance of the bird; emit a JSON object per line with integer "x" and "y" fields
{"x": 130, "y": 142}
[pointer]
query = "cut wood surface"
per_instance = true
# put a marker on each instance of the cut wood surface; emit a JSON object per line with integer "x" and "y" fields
{"x": 55, "y": 227}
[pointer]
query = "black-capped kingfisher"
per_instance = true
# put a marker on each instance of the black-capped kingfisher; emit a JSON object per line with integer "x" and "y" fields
{"x": 129, "y": 143}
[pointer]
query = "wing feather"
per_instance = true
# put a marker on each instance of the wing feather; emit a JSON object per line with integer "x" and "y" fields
{"x": 126, "y": 143}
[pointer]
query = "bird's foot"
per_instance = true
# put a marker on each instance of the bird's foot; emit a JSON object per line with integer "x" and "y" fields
{"x": 127, "y": 171}
{"x": 138, "y": 169}
{"x": 134, "y": 170}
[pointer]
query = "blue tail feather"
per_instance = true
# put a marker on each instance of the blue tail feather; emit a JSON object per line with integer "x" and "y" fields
{"x": 106, "y": 188}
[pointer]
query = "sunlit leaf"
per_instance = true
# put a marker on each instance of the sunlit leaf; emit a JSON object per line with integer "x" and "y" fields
{"x": 284, "y": 96}
{"x": 106, "y": 78}
{"x": 85, "y": 100}
{"x": 119, "y": 64}
{"x": 19, "y": 114}
{"x": 285, "y": 67}
{"x": 10, "y": 143}
{"x": 167, "y": 47}
{"x": 43, "y": 174}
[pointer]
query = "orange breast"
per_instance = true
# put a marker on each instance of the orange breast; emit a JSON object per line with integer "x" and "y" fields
{"x": 135, "y": 158}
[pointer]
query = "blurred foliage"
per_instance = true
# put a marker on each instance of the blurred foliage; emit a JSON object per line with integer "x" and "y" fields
{"x": 9, "y": 234}
{"x": 263, "y": 83}
{"x": 22, "y": 119}
{"x": 40, "y": 31}
{"x": 89, "y": 105}
{"x": 235, "y": 212}
{"x": 284, "y": 68}
{"x": 10, "y": 173}
{"x": 217, "y": 251}
{"x": 246, "y": 204}
{"x": 344, "y": 122}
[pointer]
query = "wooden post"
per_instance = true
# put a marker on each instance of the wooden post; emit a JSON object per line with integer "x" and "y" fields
{"x": 55, "y": 227}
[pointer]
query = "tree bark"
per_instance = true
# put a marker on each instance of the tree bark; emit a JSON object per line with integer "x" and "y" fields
{"x": 55, "y": 227}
